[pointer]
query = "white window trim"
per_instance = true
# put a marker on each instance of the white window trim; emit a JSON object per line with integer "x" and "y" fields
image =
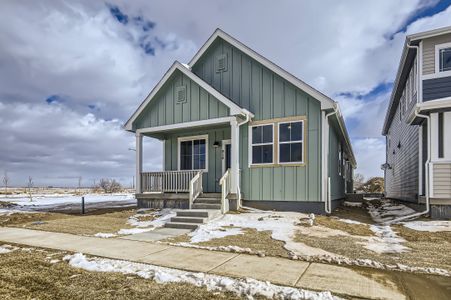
{"x": 437, "y": 59}
{"x": 192, "y": 138}
{"x": 290, "y": 142}
{"x": 261, "y": 144}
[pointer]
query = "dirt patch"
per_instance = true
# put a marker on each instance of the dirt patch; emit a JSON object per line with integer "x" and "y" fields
{"x": 359, "y": 214}
{"x": 83, "y": 225}
{"x": 353, "y": 229}
{"x": 7, "y": 204}
{"x": 29, "y": 275}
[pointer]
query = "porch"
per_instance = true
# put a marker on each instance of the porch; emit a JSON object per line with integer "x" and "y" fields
{"x": 200, "y": 166}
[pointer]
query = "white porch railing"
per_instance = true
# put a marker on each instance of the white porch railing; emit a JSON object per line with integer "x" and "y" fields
{"x": 195, "y": 188}
{"x": 168, "y": 181}
{"x": 225, "y": 190}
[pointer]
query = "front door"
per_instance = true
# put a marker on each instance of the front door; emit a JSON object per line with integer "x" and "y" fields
{"x": 226, "y": 155}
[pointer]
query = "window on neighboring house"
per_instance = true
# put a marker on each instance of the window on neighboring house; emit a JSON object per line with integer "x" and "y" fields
{"x": 291, "y": 142}
{"x": 444, "y": 59}
{"x": 193, "y": 153}
{"x": 262, "y": 144}
{"x": 340, "y": 157}
{"x": 441, "y": 136}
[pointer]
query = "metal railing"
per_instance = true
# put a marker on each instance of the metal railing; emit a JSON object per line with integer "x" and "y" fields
{"x": 167, "y": 181}
{"x": 195, "y": 188}
{"x": 225, "y": 191}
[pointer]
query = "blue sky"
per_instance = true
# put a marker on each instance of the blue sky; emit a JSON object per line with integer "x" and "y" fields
{"x": 73, "y": 71}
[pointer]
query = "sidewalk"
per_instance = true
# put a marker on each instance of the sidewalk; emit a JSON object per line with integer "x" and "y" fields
{"x": 314, "y": 276}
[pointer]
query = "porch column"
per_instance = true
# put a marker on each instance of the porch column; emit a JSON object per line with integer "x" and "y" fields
{"x": 139, "y": 156}
{"x": 234, "y": 160}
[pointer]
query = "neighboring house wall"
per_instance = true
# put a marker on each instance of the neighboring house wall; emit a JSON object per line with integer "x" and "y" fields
{"x": 337, "y": 181}
{"x": 441, "y": 180}
{"x": 210, "y": 178}
{"x": 429, "y": 52}
{"x": 401, "y": 181}
{"x": 164, "y": 108}
{"x": 268, "y": 96}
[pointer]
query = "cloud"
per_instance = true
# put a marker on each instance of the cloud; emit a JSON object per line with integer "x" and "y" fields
{"x": 371, "y": 154}
{"x": 73, "y": 71}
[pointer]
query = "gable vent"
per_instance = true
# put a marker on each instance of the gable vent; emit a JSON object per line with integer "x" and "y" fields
{"x": 221, "y": 63}
{"x": 180, "y": 94}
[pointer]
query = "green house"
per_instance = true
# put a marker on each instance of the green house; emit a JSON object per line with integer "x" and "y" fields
{"x": 239, "y": 130}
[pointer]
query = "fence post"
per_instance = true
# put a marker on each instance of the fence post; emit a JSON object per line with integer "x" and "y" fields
{"x": 82, "y": 205}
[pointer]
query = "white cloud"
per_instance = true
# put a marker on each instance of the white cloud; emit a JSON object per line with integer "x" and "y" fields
{"x": 371, "y": 155}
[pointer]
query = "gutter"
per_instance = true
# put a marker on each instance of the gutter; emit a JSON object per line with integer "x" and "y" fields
{"x": 248, "y": 116}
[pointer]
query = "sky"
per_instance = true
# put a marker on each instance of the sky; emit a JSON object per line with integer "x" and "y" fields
{"x": 72, "y": 72}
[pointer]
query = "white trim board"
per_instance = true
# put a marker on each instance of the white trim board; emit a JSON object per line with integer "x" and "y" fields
{"x": 439, "y": 47}
{"x": 192, "y": 124}
{"x": 326, "y": 102}
{"x": 234, "y": 108}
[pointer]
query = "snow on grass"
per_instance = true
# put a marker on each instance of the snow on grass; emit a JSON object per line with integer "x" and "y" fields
{"x": 352, "y": 204}
{"x": 430, "y": 226}
{"x": 7, "y": 249}
{"x": 283, "y": 227}
{"x": 105, "y": 235}
{"x": 242, "y": 287}
{"x": 349, "y": 221}
{"x": 386, "y": 240}
{"x": 59, "y": 199}
{"x": 388, "y": 211}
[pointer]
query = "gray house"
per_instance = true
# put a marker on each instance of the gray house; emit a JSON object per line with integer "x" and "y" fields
{"x": 239, "y": 130}
{"x": 418, "y": 124}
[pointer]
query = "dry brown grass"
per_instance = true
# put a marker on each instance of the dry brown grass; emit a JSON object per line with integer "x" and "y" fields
{"x": 353, "y": 229}
{"x": 359, "y": 214}
{"x": 257, "y": 241}
{"x": 28, "y": 275}
{"x": 74, "y": 224}
{"x": 422, "y": 236}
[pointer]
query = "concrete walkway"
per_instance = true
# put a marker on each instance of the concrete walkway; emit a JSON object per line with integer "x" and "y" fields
{"x": 314, "y": 276}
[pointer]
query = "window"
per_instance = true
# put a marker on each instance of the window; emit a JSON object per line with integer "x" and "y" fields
{"x": 291, "y": 141}
{"x": 262, "y": 145}
{"x": 444, "y": 59}
{"x": 440, "y": 136}
{"x": 340, "y": 159}
{"x": 193, "y": 153}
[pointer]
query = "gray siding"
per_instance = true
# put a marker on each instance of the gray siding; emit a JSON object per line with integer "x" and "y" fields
{"x": 337, "y": 181}
{"x": 268, "y": 96}
{"x": 442, "y": 180}
{"x": 429, "y": 52}
{"x": 436, "y": 88}
{"x": 401, "y": 182}
{"x": 164, "y": 109}
{"x": 211, "y": 178}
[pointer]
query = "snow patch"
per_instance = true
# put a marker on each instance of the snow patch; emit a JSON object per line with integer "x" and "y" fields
{"x": 388, "y": 211}
{"x": 160, "y": 218}
{"x": 386, "y": 240}
{"x": 349, "y": 221}
{"x": 105, "y": 235}
{"x": 7, "y": 249}
{"x": 242, "y": 287}
{"x": 430, "y": 226}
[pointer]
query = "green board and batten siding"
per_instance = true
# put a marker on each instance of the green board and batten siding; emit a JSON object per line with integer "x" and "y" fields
{"x": 164, "y": 109}
{"x": 268, "y": 96}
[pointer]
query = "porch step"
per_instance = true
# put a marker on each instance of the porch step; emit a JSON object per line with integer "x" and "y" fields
{"x": 181, "y": 225}
{"x": 208, "y": 200}
{"x": 188, "y": 220}
{"x": 206, "y": 206}
{"x": 210, "y": 195}
{"x": 193, "y": 213}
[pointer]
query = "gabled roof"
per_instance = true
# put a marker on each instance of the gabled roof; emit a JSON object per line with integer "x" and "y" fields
{"x": 234, "y": 108}
{"x": 326, "y": 102}
{"x": 406, "y": 58}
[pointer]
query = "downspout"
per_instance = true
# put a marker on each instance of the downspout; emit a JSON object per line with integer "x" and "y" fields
{"x": 426, "y": 165}
{"x": 327, "y": 203}
{"x": 248, "y": 118}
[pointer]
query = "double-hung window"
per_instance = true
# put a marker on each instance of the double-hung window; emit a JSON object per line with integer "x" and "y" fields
{"x": 444, "y": 59}
{"x": 291, "y": 142}
{"x": 193, "y": 153}
{"x": 262, "y": 144}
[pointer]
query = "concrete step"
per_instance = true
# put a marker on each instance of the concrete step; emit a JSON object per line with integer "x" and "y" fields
{"x": 188, "y": 220}
{"x": 181, "y": 225}
{"x": 193, "y": 213}
{"x": 210, "y": 195}
{"x": 208, "y": 200}
{"x": 206, "y": 206}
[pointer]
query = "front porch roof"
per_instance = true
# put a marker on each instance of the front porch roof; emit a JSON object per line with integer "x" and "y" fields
{"x": 234, "y": 108}
{"x": 427, "y": 108}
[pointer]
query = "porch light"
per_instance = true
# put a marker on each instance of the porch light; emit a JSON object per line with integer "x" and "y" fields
{"x": 216, "y": 145}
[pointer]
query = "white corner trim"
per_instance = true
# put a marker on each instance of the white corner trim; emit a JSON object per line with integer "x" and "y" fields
{"x": 191, "y": 138}
{"x": 326, "y": 102}
{"x": 234, "y": 108}
{"x": 215, "y": 121}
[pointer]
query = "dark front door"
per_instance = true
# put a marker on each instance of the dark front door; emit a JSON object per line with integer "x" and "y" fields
{"x": 227, "y": 158}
